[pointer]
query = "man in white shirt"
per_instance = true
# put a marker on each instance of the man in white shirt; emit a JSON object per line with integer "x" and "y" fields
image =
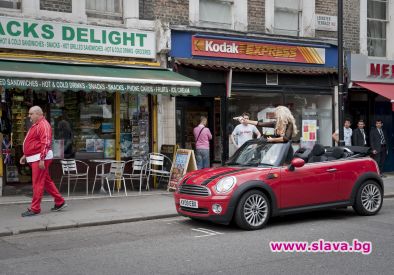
{"x": 244, "y": 132}
{"x": 347, "y": 133}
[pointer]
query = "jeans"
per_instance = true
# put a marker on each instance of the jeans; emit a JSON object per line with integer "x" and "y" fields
{"x": 202, "y": 158}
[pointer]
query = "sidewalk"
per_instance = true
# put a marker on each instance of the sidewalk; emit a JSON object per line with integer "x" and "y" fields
{"x": 100, "y": 210}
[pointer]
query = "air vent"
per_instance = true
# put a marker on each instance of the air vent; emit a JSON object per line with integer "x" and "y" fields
{"x": 271, "y": 79}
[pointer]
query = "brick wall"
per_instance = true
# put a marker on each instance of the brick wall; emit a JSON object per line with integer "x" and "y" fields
{"x": 351, "y": 25}
{"x": 176, "y": 12}
{"x": 256, "y": 15}
{"x": 56, "y": 5}
{"x": 326, "y": 7}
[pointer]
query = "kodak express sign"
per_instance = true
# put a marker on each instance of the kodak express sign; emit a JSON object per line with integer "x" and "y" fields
{"x": 18, "y": 33}
{"x": 256, "y": 51}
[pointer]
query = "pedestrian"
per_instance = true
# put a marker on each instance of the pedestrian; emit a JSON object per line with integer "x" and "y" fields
{"x": 38, "y": 154}
{"x": 284, "y": 125}
{"x": 244, "y": 132}
{"x": 347, "y": 133}
{"x": 202, "y": 136}
{"x": 359, "y": 137}
{"x": 378, "y": 144}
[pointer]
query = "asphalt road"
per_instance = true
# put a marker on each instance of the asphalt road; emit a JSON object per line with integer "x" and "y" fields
{"x": 181, "y": 246}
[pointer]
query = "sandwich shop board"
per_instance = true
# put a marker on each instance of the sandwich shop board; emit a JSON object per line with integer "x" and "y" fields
{"x": 185, "y": 161}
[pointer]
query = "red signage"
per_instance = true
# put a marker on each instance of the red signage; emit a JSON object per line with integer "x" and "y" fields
{"x": 256, "y": 51}
{"x": 381, "y": 70}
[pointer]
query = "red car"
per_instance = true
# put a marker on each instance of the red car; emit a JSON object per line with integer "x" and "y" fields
{"x": 263, "y": 180}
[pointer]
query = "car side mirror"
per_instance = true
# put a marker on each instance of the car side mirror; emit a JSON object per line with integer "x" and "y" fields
{"x": 296, "y": 162}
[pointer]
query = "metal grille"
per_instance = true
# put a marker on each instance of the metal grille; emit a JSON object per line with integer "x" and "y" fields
{"x": 195, "y": 210}
{"x": 195, "y": 190}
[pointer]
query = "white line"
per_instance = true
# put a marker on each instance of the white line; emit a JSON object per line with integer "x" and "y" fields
{"x": 208, "y": 232}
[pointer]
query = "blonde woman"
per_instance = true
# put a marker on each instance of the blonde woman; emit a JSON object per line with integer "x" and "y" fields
{"x": 284, "y": 124}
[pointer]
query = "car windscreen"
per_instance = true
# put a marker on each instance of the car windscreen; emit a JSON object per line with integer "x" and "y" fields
{"x": 258, "y": 153}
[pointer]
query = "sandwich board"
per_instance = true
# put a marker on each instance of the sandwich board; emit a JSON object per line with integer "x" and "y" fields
{"x": 185, "y": 161}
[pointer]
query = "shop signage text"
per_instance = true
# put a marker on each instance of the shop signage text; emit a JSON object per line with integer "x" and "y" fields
{"x": 18, "y": 33}
{"x": 256, "y": 51}
{"x": 381, "y": 70}
{"x": 326, "y": 22}
{"x": 65, "y": 85}
{"x": 367, "y": 69}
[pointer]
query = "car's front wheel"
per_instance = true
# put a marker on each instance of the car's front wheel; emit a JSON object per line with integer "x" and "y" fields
{"x": 369, "y": 199}
{"x": 253, "y": 210}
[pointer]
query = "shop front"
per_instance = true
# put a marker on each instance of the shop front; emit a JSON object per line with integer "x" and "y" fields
{"x": 371, "y": 96}
{"x": 255, "y": 75}
{"x": 102, "y": 110}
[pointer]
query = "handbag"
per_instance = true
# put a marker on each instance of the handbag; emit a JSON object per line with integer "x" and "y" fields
{"x": 194, "y": 145}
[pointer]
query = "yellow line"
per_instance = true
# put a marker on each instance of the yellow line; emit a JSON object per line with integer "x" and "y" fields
{"x": 43, "y": 57}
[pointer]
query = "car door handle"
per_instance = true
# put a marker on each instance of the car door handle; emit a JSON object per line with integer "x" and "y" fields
{"x": 331, "y": 170}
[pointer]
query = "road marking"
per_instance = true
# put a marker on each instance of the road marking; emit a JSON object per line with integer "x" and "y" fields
{"x": 207, "y": 232}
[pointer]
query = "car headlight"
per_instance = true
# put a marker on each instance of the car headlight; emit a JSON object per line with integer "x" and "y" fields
{"x": 225, "y": 184}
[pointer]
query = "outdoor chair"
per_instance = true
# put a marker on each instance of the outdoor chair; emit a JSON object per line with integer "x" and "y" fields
{"x": 156, "y": 167}
{"x": 71, "y": 172}
{"x": 111, "y": 171}
{"x": 135, "y": 169}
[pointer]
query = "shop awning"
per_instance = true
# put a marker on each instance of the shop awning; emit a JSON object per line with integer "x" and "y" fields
{"x": 249, "y": 66}
{"x": 383, "y": 89}
{"x": 65, "y": 77}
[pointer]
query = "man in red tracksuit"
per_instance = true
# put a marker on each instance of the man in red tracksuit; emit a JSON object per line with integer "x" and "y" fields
{"x": 38, "y": 154}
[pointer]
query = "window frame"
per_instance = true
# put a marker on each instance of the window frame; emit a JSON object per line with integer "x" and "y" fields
{"x": 218, "y": 24}
{"x": 15, "y": 3}
{"x": 298, "y": 11}
{"x": 386, "y": 21}
{"x": 105, "y": 14}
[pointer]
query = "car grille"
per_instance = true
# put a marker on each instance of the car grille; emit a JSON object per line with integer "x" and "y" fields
{"x": 195, "y": 210}
{"x": 195, "y": 190}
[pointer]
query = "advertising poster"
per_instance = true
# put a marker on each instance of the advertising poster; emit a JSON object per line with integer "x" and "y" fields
{"x": 109, "y": 148}
{"x": 185, "y": 161}
{"x": 126, "y": 145}
{"x": 309, "y": 130}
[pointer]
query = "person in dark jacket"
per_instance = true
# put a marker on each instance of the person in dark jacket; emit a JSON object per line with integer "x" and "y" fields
{"x": 359, "y": 136}
{"x": 379, "y": 145}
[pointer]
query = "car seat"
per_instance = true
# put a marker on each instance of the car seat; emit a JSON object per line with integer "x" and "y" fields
{"x": 317, "y": 153}
{"x": 303, "y": 153}
{"x": 337, "y": 153}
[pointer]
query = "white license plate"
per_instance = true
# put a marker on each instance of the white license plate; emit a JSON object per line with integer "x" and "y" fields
{"x": 188, "y": 203}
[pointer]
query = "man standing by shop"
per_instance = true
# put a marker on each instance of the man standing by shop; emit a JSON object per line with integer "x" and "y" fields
{"x": 359, "y": 137}
{"x": 347, "y": 133}
{"x": 38, "y": 154}
{"x": 378, "y": 145}
{"x": 202, "y": 136}
{"x": 244, "y": 131}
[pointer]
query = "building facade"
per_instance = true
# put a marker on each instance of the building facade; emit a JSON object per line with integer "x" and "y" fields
{"x": 97, "y": 70}
{"x": 369, "y": 64}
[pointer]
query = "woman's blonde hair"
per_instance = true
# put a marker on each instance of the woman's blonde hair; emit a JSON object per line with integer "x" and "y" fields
{"x": 284, "y": 117}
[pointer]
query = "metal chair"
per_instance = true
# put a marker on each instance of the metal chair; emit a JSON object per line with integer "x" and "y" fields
{"x": 138, "y": 170}
{"x": 110, "y": 171}
{"x": 156, "y": 167}
{"x": 71, "y": 172}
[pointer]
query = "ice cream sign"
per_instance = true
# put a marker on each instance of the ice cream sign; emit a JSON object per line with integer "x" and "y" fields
{"x": 256, "y": 51}
{"x": 18, "y": 33}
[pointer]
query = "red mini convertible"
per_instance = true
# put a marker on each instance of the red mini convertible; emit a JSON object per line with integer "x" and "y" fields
{"x": 262, "y": 180}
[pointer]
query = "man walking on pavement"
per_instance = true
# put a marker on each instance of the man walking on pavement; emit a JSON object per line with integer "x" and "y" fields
{"x": 378, "y": 145}
{"x": 38, "y": 154}
{"x": 359, "y": 137}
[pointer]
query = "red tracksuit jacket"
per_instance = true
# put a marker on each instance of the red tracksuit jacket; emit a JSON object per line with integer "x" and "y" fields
{"x": 38, "y": 141}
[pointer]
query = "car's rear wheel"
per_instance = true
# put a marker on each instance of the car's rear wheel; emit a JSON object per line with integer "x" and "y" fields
{"x": 253, "y": 210}
{"x": 369, "y": 199}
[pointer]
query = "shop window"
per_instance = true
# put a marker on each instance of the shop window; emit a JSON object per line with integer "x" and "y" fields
{"x": 260, "y": 106}
{"x": 107, "y": 9}
{"x": 313, "y": 115}
{"x": 134, "y": 128}
{"x": 377, "y": 27}
{"x": 216, "y": 13}
{"x": 288, "y": 17}
{"x": 10, "y": 4}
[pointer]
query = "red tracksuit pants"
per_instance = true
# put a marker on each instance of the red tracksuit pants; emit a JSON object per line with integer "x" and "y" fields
{"x": 42, "y": 181}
